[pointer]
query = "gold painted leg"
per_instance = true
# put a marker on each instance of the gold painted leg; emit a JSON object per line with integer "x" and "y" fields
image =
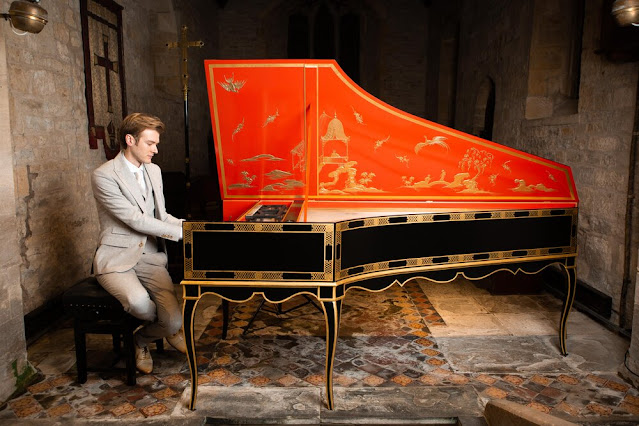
{"x": 571, "y": 278}
{"x": 188, "y": 311}
{"x": 332, "y": 313}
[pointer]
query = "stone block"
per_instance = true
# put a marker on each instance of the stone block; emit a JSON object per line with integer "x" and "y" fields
{"x": 43, "y": 83}
{"x": 538, "y": 107}
{"x": 10, "y": 253}
{"x": 598, "y": 251}
{"x": 499, "y": 412}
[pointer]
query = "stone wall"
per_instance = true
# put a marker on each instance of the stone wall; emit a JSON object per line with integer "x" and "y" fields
{"x": 57, "y": 227}
{"x": 48, "y": 218}
{"x": 595, "y": 141}
{"x": 147, "y": 27}
{"x": 13, "y": 358}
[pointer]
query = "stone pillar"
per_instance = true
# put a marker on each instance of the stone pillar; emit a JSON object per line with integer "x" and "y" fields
{"x": 15, "y": 370}
{"x": 629, "y": 370}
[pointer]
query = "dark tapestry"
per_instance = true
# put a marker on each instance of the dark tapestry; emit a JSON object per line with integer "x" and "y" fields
{"x": 104, "y": 72}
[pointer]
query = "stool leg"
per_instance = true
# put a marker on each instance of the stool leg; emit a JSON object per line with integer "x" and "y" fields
{"x": 80, "y": 351}
{"x": 116, "y": 342}
{"x": 129, "y": 354}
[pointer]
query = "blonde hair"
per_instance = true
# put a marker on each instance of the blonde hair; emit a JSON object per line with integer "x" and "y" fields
{"x": 136, "y": 123}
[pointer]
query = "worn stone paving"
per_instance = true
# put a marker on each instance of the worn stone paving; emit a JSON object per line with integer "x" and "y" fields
{"x": 385, "y": 341}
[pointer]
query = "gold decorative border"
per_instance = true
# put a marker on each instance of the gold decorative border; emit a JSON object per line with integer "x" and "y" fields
{"x": 327, "y": 229}
{"x": 460, "y": 260}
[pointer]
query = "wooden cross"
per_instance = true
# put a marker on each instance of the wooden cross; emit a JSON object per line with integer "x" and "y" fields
{"x": 184, "y": 44}
{"x": 108, "y": 66}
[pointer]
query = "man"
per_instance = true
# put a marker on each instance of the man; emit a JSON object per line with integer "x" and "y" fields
{"x": 130, "y": 262}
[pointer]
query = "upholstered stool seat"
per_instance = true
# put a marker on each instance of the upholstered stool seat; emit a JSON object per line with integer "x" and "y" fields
{"x": 96, "y": 311}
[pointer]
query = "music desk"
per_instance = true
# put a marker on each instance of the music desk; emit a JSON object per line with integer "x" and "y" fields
{"x": 325, "y": 260}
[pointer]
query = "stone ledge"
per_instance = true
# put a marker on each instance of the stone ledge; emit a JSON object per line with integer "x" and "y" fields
{"x": 507, "y": 413}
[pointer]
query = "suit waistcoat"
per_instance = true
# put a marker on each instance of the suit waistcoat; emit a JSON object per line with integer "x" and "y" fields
{"x": 151, "y": 245}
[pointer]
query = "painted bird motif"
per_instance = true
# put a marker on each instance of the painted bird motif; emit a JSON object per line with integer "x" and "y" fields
{"x": 238, "y": 129}
{"x": 231, "y": 85}
{"x": 379, "y": 143}
{"x": 358, "y": 116}
{"x": 437, "y": 140}
{"x": 271, "y": 118}
{"x": 403, "y": 159}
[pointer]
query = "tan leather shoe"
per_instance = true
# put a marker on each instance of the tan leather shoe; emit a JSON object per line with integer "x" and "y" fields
{"x": 143, "y": 360}
{"x": 177, "y": 341}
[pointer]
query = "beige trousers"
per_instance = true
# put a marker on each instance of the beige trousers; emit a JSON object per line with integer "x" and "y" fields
{"x": 146, "y": 292}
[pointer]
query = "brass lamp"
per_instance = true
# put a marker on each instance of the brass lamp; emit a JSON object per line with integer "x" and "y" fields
{"x": 626, "y": 12}
{"x": 27, "y": 16}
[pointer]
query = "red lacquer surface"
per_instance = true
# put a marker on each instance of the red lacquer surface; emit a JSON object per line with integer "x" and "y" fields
{"x": 289, "y": 129}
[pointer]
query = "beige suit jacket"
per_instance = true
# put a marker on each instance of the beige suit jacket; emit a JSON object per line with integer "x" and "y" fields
{"x": 124, "y": 226}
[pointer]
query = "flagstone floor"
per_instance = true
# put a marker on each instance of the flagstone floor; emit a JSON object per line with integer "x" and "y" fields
{"x": 420, "y": 335}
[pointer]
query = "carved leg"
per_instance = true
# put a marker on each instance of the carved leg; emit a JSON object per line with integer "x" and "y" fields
{"x": 332, "y": 313}
{"x": 571, "y": 277}
{"x": 188, "y": 311}
{"x": 225, "y": 321}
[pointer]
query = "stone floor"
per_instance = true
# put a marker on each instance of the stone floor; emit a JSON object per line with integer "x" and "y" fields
{"x": 422, "y": 353}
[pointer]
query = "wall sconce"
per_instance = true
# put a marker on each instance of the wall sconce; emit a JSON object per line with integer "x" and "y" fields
{"x": 26, "y": 16}
{"x": 626, "y": 12}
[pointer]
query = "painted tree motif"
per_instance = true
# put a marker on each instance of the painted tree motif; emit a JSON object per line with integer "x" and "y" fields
{"x": 477, "y": 160}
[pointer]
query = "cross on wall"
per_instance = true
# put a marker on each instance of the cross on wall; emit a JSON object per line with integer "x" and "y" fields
{"x": 184, "y": 44}
{"x": 104, "y": 61}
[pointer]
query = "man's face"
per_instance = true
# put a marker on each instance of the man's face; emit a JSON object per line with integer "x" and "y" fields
{"x": 142, "y": 150}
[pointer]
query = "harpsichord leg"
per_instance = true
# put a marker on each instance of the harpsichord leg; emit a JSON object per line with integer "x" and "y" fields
{"x": 332, "y": 313}
{"x": 571, "y": 286}
{"x": 188, "y": 311}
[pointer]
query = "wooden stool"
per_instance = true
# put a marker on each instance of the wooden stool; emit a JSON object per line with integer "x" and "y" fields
{"x": 96, "y": 311}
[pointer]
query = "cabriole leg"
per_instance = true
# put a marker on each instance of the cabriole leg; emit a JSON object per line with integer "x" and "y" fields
{"x": 571, "y": 286}
{"x": 188, "y": 311}
{"x": 332, "y": 313}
